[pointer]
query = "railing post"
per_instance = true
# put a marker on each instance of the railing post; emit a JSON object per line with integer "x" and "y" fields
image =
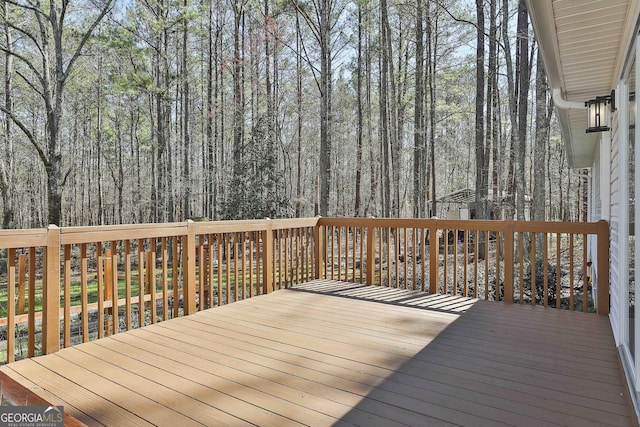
{"x": 603, "y": 267}
{"x": 318, "y": 237}
{"x": 267, "y": 257}
{"x": 434, "y": 243}
{"x": 51, "y": 293}
{"x": 508, "y": 231}
{"x": 371, "y": 252}
{"x": 189, "y": 269}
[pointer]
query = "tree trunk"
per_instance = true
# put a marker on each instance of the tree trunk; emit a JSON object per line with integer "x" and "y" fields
{"x": 186, "y": 133}
{"x": 238, "y": 109}
{"x": 432, "y": 37}
{"x": 99, "y": 144}
{"x": 493, "y": 109}
{"x": 523, "y": 107}
{"x": 481, "y": 173}
{"x": 298, "y": 118}
{"x": 6, "y": 164}
{"x": 543, "y": 120}
{"x": 360, "y": 124}
{"x": 325, "y": 104}
{"x": 418, "y": 120}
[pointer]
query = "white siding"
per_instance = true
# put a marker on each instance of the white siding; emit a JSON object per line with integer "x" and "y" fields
{"x": 595, "y": 211}
{"x": 616, "y": 288}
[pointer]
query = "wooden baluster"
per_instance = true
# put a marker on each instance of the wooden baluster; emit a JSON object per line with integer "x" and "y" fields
{"x": 534, "y": 284}
{"x": 31, "y": 345}
{"x": 141, "y": 287}
{"x": 545, "y": 292}
{"x": 151, "y": 281}
{"x": 475, "y": 262}
{"x": 127, "y": 283}
{"x": 423, "y": 263}
{"x": 104, "y": 326}
{"x": 558, "y": 272}
{"x": 486, "y": 264}
{"x": 455, "y": 262}
{"x": 114, "y": 285}
{"x": 267, "y": 260}
{"x": 67, "y": 296}
{"x": 509, "y": 236}
{"x": 251, "y": 271}
{"x": 571, "y": 270}
{"x": 406, "y": 258}
{"x": 174, "y": 276}
{"x": 445, "y": 270}
{"x": 433, "y": 256}
{"x": 83, "y": 292}
{"x": 11, "y": 305}
{"x": 202, "y": 271}
{"x": 165, "y": 279}
{"x": 100, "y": 294}
{"x": 414, "y": 258}
{"x": 497, "y": 275}
{"x": 465, "y": 249}
{"x": 585, "y": 281}
{"x": 219, "y": 248}
{"x": 521, "y": 266}
{"x": 396, "y": 251}
{"x": 22, "y": 276}
{"x": 228, "y": 256}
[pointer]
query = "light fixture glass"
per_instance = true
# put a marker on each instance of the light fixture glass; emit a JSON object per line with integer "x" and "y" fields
{"x": 598, "y": 113}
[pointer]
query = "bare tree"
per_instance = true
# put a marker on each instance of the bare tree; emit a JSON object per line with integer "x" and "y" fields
{"x": 523, "y": 69}
{"x": 544, "y": 109}
{"x": 419, "y": 149}
{"x": 48, "y": 58}
{"x": 6, "y": 164}
{"x": 481, "y": 171}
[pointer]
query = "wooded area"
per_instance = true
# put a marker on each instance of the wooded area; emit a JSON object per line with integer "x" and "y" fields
{"x": 128, "y": 111}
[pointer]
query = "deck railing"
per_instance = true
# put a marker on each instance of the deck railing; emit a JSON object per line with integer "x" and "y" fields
{"x": 549, "y": 263}
{"x": 70, "y": 285}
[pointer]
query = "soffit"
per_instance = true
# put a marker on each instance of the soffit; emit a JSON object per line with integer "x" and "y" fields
{"x": 584, "y": 44}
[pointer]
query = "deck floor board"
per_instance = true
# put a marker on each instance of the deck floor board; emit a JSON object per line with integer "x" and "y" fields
{"x": 335, "y": 353}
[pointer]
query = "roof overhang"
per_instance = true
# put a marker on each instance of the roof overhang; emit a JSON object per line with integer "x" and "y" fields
{"x": 583, "y": 44}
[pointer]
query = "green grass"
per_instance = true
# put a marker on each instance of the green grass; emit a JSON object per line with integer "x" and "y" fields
{"x": 92, "y": 291}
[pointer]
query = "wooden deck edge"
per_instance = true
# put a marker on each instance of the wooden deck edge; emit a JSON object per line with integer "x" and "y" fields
{"x": 16, "y": 394}
{"x": 631, "y": 401}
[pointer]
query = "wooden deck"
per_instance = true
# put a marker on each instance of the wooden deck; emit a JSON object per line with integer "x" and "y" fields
{"x": 333, "y": 353}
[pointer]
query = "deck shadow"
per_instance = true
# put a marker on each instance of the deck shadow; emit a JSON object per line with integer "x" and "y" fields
{"x": 398, "y": 297}
{"x": 500, "y": 364}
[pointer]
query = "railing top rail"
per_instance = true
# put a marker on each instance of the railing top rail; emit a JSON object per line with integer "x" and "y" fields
{"x": 75, "y": 235}
{"x": 279, "y": 224}
{"x": 479, "y": 225}
{"x": 253, "y": 225}
{"x": 210, "y": 227}
{"x": 23, "y": 238}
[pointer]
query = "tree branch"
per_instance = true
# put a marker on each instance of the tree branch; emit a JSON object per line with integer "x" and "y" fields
{"x": 25, "y": 6}
{"x": 314, "y": 29}
{"x": 465, "y": 21}
{"x": 30, "y": 84}
{"x": 26, "y": 34}
{"x": 27, "y": 133}
{"x": 85, "y": 38}
{"x": 25, "y": 61}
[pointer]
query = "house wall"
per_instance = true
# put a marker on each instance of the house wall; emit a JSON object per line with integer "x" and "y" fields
{"x": 595, "y": 203}
{"x": 624, "y": 324}
{"x": 616, "y": 291}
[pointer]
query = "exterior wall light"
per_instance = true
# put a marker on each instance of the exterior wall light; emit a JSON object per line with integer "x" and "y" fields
{"x": 597, "y": 117}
